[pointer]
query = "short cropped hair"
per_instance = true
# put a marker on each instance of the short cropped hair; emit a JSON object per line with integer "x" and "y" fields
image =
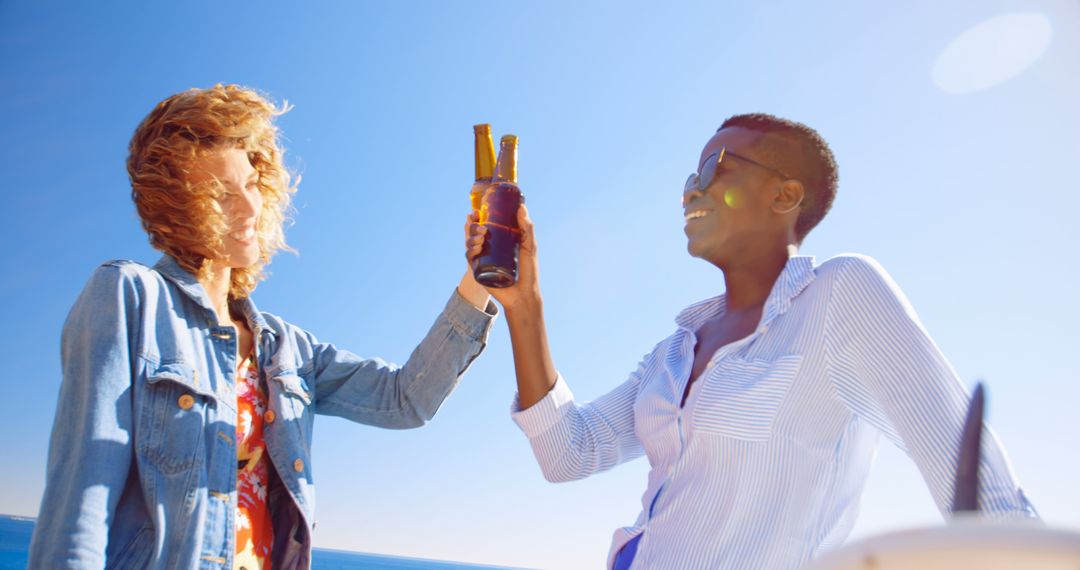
{"x": 183, "y": 219}
{"x": 814, "y": 165}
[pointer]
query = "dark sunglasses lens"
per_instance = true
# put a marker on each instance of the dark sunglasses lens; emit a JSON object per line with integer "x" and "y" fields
{"x": 708, "y": 172}
{"x": 691, "y": 183}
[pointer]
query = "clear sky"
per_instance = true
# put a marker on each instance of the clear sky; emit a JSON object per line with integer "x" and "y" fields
{"x": 954, "y": 123}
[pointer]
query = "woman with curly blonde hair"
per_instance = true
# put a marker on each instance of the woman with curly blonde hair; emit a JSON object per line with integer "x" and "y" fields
{"x": 183, "y": 429}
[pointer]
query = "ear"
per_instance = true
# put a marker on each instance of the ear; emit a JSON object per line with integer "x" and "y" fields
{"x": 789, "y": 197}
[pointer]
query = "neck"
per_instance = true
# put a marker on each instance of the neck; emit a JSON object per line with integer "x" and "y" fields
{"x": 749, "y": 282}
{"x": 216, "y": 280}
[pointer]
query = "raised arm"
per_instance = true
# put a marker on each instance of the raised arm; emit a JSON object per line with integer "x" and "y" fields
{"x": 375, "y": 392}
{"x": 524, "y": 309}
{"x": 569, "y": 441}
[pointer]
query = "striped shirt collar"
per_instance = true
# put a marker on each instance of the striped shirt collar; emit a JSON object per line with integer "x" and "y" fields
{"x": 797, "y": 274}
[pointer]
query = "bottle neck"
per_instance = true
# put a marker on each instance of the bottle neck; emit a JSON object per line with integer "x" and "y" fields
{"x": 506, "y": 168}
{"x": 484, "y": 153}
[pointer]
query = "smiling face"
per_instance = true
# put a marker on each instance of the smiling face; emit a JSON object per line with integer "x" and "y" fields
{"x": 744, "y": 212}
{"x": 240, "y": 200}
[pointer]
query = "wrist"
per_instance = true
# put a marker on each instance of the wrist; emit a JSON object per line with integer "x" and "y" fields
{"x": 473, "y": 292}
{"x": 524, "y": 305}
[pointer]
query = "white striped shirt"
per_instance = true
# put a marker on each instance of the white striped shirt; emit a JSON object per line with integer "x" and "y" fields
{"x": 765, "y": 465}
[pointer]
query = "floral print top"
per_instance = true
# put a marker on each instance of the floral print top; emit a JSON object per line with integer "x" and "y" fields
{"x": 254, "y": 531}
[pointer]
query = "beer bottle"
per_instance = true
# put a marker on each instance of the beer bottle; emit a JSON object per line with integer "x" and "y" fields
{"x": 484, "y": 155}
{"x": 496, "y": 266}
{"x": 506, "y": 165}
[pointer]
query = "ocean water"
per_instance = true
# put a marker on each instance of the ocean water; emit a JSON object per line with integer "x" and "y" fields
{"x": 15, "y": 541}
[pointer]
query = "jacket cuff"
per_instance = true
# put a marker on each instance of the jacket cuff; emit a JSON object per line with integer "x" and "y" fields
{"x": 541, "y": 416}
{"x": 467, "y": 319}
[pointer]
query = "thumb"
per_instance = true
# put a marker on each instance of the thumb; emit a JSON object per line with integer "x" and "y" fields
{"x": 528, "y": 233}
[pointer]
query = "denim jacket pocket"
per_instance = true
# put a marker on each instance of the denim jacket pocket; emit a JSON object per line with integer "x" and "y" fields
{"x": 740, "y": 398}
{"x": 174, "y": 417}
{"x": 294, "y": 386}
{"x": 293, "y": 404}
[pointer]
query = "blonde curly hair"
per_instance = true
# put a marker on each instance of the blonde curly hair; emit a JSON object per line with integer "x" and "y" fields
{"x": 184, "y": 219}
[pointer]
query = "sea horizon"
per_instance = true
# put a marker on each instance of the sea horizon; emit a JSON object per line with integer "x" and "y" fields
{"x": 16, "y": 530}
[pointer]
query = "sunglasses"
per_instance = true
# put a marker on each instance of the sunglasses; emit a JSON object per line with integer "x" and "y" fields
{"x": 699, "y": 182}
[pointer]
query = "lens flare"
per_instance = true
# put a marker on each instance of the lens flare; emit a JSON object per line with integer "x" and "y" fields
{"x": 734, "y": 198}
{"x": 992, "y": 52}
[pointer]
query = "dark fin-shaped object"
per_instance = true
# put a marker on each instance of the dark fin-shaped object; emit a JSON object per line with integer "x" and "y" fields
{"x": 966, "y": 494}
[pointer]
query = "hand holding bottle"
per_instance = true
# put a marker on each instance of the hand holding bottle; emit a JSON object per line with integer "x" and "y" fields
{"x": 504, "y": 258}
{"x": 526, "y": 291}
{"x": 496, "y": 266}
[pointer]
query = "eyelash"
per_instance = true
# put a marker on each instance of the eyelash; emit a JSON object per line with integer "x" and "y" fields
{"x": 229, "y": 195}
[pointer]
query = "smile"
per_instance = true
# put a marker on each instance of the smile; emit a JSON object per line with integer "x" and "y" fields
{"x": 696, "y": 214}
{"x": 243, "y": 235}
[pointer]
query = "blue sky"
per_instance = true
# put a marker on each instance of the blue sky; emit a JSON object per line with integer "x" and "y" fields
{"x": 957, "y": 173}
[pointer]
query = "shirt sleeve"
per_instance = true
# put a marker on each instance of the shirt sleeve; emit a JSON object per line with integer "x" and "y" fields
{"x": 90, "y": 451}
{"x": 888, "y": 371}
{"x": 573, "y": 441}
{"x": 375, "y": 392}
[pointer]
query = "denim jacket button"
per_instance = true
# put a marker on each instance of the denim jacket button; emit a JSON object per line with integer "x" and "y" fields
{"x": 269, "y": 416}
{"x": 298, "y": 465}
{"x": 185, "y": 402}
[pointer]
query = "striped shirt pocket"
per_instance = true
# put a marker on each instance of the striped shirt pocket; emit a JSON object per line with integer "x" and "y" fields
{"x": 739, "y": 398}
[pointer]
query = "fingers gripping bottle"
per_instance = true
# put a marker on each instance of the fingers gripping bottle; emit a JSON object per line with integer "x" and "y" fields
{"x": 496, "y": 266}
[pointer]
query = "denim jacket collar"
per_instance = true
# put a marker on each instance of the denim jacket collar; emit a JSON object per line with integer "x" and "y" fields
{"x": 254, "y": 318}
{"x": 168, "y": 267}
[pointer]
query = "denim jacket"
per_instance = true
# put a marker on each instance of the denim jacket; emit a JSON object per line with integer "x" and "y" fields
{"x": 142, "y": 461}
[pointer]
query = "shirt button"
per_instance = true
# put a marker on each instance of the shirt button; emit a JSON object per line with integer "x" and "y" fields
{"x": 298, "y": 465}
{"x": 269, "y": 416}
{"x": 185, "y": 402}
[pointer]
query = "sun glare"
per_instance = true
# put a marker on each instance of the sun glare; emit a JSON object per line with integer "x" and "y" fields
{"x": 992, "y": 52}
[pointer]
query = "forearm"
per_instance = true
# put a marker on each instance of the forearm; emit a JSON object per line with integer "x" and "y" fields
{"x": 84, "y": 482}
{"x": 532, "y": 355}
{"x": 434, "y": 369}
{"x": 375, "y": 392}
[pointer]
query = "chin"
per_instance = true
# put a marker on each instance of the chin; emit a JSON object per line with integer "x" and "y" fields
{"x": 694, "y": 249}
{"x": 243, "y": 261}
{"x": 249, "y": 264}
{"x": 701, "y": 253}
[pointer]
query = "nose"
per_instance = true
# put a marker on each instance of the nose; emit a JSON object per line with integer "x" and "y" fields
{"x": 249, "y": 204}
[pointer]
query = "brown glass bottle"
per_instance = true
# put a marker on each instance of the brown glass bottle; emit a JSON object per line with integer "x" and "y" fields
{"x": 496, "y": 266}
{"x": 484, "y": 156}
